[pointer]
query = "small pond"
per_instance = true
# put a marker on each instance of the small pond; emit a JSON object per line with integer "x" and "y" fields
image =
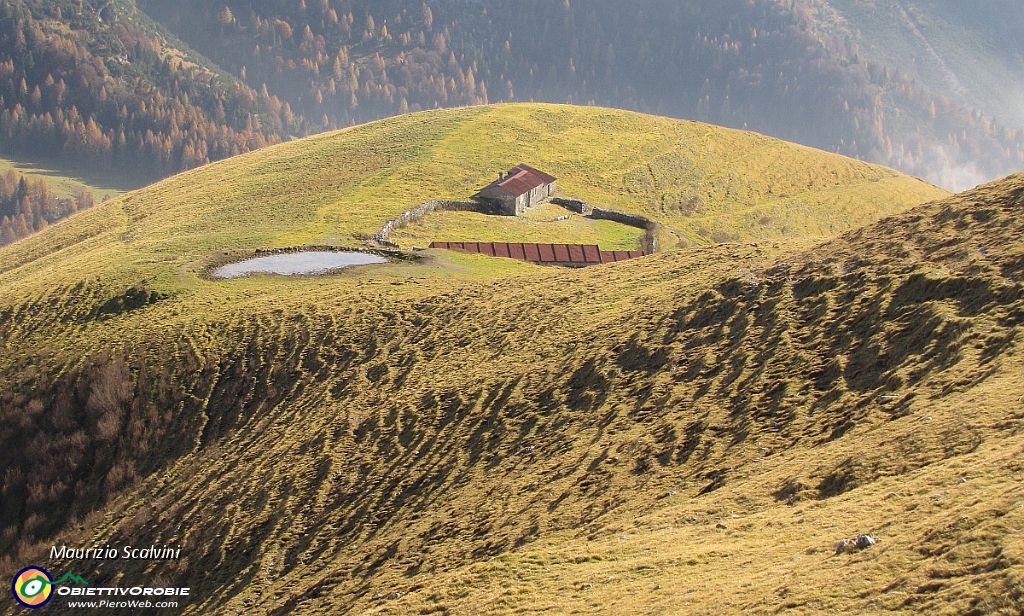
{"x": 296, "y": 263}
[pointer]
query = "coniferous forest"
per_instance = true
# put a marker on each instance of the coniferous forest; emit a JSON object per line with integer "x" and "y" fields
{"x": 101, "y": 92}
{"x": 155, "y": 87}
{"x": 765, "y": 66}
{"x": 28, "y": 206}
{"x": 803, "y": 395}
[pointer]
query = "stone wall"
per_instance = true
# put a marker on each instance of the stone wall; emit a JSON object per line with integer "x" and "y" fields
{"x": 631, "y": 220}
{"x": 573, "y": 205}
{"x": 421, "y": 210}
{"x": 650, "y": 242}
{"x": 394, "y": 254}
{"x": 650, "y": 227}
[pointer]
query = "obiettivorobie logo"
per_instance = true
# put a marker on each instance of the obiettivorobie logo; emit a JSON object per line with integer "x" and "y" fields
{"x": 33, "y": 586}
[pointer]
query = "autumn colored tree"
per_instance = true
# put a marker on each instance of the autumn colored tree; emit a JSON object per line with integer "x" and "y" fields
{"x": 28, "y": 206}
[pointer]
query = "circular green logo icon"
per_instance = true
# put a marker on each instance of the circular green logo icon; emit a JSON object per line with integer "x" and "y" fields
{"x": 32, "y": 587}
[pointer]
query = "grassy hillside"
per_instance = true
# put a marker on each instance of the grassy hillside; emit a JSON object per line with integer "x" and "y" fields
{"x": 468, "y": 435}
{"x": 705, "y": 183}
{"x": 571, "y": 440}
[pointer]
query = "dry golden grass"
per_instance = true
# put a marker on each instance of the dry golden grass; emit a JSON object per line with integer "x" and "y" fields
{"x": 468, "y": 435}
{"x": 704, "y": 183}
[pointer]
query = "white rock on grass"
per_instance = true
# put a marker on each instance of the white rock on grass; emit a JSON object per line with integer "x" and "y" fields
{"x": 859, "y": 543}
{"x": 864, "y": 541}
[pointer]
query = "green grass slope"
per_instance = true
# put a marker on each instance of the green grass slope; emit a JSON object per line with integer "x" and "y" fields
{"x": 705, "y": 183}
{"x": 468, "y": 435}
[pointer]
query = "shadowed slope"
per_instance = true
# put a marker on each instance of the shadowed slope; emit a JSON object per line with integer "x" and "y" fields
{"x": 561, "y": 440}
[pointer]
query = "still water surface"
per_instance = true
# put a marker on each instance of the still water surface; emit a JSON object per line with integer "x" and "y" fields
{"x": 293, "y": 263}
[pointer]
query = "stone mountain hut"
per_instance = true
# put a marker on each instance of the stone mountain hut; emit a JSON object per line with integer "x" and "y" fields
{"x": 516, "y": 192}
